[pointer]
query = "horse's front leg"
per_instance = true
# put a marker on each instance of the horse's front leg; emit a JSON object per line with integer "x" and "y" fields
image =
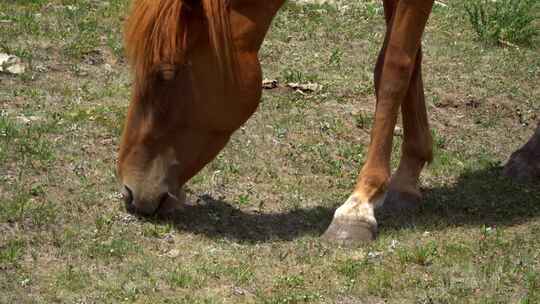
{"x": 354, "y": 222}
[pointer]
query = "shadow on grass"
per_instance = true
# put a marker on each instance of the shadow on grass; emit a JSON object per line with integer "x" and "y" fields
{"x": 478, "y": 198}
{"x": 219, "y": 219}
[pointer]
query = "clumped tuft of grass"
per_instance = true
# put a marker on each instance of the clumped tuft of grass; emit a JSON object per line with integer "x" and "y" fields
{"x": 11, "y": 253}
{"x": 180, "y": 278}
{"x": 503, "y": 21}
{"x": 422, "y": 255}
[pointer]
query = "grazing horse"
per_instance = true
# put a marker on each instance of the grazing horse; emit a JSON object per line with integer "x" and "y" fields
{"x": 198, "y": 79}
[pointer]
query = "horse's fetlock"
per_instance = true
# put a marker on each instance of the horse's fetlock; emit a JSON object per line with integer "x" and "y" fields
{"x": 372, "y": 186}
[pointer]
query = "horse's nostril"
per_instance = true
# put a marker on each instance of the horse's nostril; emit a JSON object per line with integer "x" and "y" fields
{"x": 127, "y": 194}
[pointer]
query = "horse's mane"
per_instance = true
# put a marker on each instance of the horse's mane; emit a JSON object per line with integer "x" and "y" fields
{"x": 156, "y": 36}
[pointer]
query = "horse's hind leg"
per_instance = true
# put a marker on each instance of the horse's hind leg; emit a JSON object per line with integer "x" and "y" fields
{"x": 403, "y": 193}
{"x": 354, "y": 221}
{"x": 416, "y": 150}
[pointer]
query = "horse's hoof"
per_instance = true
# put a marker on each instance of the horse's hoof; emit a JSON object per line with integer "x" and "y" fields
{"x": 400, "y": 203}
{"x": 350, "y": 232}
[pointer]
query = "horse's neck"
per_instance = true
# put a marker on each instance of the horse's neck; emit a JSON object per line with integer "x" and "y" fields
{"x": 265, "y": 8}
{"x": 268, "y": 5}
{"x": 276, "y": 4}
{"x": 251, "y": 20}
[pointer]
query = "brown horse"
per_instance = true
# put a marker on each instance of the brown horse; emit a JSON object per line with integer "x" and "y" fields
{"x": 198, "y": 79}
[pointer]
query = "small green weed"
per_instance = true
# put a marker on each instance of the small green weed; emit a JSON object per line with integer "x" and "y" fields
{"x": 291, "y": 75}
{"x": 422, "y": 255}
{"x": 103, "y": 224}
{"x": 351, "y": 269}
{"x": 290, "y": 281}
{"x": 153, "y": 230}
{"x": 8, "y": 131}
{"x": 243, "y": 199}
{"x": 503, "y": 21}
{"x": 242, "y": 274}
{"x": 336, "y": 58}
{"x": 363, "y": 120}
{"x": 11, "y": 253}
{"x": 180, "y": 278}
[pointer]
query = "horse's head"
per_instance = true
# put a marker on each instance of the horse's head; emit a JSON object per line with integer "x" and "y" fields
{"x": 196, "y": 82}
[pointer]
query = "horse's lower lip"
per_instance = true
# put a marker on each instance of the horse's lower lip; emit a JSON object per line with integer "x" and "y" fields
{"x": 162, "y": 202}
{"x": 174, "y": 203}
{"x": 130, "y": 208}
{"x": 168, "y": 206}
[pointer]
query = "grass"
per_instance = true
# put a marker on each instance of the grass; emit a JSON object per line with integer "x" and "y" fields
{"x": 504, "y": 22}
{"x": 251, "y": 235}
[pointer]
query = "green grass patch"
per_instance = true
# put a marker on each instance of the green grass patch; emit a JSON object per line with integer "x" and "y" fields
{"x": 27, "y": 208}
{"x": 117, "y": 248}
{"x": 73, "y": 279}
{"x": 181, "y": 278}
{"x": 11, "y": 253}
{"x": 504, "y": 21}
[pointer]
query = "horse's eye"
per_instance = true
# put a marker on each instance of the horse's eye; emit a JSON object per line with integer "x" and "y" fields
{"x": 167, "y": 72}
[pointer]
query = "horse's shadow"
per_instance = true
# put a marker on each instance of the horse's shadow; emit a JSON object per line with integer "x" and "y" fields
{"x": 478, "y": 198}
{"x": 219, "y": 219}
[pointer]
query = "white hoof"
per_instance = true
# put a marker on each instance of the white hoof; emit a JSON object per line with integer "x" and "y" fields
{"x": 354, "y": 222}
